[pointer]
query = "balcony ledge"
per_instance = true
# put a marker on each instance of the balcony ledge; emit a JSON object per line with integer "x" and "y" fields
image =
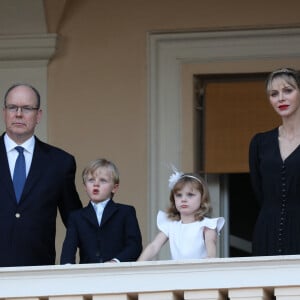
{"x": 152, "y": 276}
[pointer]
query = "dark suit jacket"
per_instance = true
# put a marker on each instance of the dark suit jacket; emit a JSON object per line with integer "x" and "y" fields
{"x": 118, "y": 235}
{"x": 27, "y": 229}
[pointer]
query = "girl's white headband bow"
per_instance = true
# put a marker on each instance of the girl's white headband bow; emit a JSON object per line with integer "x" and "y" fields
{"x": 174, "y": 178}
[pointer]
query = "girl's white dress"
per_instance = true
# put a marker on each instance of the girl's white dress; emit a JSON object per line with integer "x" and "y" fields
{"x": 187, "y": 240}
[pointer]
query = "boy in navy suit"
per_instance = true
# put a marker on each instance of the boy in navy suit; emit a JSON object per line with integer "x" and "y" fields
{"x": 103, "y": 231}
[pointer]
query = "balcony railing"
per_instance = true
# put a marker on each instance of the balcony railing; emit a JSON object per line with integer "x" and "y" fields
{"x": 259, "y": 278}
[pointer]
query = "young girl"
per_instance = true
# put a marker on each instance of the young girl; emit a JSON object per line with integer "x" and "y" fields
{"x": 190, "y": 233}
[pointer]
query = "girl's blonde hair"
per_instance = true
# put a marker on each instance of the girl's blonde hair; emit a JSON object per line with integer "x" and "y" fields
{"x": 197, "y": 183}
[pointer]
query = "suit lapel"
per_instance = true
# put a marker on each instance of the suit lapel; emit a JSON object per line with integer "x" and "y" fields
{"x": 5, "y": 176}
{"x": 90, "y": 215}
{"x": 109, "y": 210}
{"x": 38, "y": 164}
{"x": 39, "y": 161}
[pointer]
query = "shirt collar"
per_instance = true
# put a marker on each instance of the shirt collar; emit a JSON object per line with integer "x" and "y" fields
{"x": 102, "y": 203}
{"x": 10, "y": 144}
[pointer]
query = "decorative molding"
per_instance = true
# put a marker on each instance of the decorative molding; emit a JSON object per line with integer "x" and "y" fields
{"x": 27, "y": 49}
{"x": 24, "y": 58}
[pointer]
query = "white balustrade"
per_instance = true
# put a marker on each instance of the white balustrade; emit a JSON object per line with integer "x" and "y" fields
{"x": 251, "y": 278}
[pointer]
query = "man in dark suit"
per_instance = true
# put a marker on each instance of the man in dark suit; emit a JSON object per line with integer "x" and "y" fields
{"x": 104, "y": 231}
{"x": 28, "y": 221}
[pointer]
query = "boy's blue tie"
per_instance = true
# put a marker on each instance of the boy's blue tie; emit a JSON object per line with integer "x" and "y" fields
{"x": 19, "y": 176}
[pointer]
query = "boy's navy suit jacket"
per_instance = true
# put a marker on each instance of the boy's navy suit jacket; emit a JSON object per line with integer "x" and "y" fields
{"x": 118, "y": 235}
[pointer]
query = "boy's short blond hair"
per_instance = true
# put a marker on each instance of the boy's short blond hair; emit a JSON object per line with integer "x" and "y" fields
{"x": 101, "y": 163}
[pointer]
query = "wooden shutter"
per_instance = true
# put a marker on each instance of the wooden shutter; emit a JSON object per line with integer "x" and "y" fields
{"x": 234, "y": 112}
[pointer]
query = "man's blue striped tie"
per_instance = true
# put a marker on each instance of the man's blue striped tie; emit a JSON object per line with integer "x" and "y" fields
{"x": 19, "y": 176}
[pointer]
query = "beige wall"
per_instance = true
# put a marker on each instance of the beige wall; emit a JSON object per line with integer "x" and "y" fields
{"x": 97, "y": 100}
{"x": 97, "y": 81}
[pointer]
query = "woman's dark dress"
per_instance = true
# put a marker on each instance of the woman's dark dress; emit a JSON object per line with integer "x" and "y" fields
{"x": 276, "y": 184}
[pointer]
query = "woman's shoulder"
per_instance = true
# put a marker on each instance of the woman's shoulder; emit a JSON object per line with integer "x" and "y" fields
{"x": 264, "y": 136}
{"x": 270, "y": 133}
